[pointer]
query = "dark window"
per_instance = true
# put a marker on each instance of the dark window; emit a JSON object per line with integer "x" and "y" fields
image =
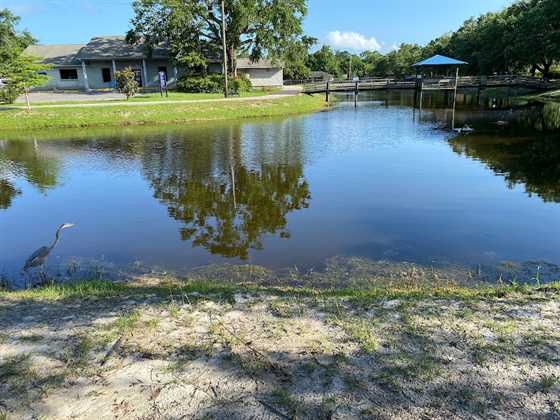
{"x": 163, "y": 69}
{"x": 69, "y": 74}
{"x": 106, "y": 75}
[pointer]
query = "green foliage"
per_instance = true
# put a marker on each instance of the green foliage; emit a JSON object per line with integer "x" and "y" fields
{"x": 126, "y": 82}
{"x": 295, "y": 59}
{"x": 12, "y": 42}
{"x": 193, "y": 28}
{"x": 522, "y": 38}
{"x": 8, "y": 94}
{"x": 20, "y": 73}
{"x": 213, "y": 83}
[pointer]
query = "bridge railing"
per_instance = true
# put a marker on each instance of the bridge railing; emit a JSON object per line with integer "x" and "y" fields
{"x": 339, "y": 85}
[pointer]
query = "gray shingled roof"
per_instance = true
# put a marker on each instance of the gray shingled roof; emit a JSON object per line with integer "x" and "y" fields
{"x": 56, "y": 54}
{"x": 108, "y": 47}
{"x": 246, "y": 63}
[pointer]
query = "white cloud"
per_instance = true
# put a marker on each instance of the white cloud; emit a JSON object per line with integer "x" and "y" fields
{"x": 352, "y": 41}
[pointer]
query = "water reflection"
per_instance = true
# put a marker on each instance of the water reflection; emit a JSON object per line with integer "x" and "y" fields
{"x": 7, "y": 193}
{"x": 225, "y": 206}
{"x": 531, "y": 162}
{"x": 27, "y": 159}
{"x": 369, "y": 182}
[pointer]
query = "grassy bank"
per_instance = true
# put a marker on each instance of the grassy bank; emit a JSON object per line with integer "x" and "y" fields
{"x": 162, "y": 113}
{"x": 162, "y": 348}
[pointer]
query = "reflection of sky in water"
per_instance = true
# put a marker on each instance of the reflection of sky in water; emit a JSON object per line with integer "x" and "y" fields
{"x": 372, "y": 182}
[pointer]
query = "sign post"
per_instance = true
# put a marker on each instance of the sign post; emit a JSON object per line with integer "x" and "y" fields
{"x": 163, "y": 83}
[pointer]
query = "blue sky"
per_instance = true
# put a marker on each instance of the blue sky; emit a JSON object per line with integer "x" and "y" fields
{"x": 361, "y": 24}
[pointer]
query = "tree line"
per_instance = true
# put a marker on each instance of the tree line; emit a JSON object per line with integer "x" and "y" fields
{"x": 522, "y": 38}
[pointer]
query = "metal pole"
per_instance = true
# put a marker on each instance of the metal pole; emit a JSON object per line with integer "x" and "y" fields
{"x": 224, "y": 46}
{"x": 327, "y": 92}
{"x": 455, "y": 98}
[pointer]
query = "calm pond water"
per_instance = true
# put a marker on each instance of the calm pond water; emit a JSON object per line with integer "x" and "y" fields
{"x": 382, "y": 182}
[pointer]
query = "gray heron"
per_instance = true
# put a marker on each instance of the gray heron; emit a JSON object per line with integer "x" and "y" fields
{"x": 39, "y": 257}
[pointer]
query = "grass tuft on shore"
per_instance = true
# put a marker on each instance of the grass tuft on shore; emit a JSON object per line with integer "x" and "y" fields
{"x": 225, "y": 291}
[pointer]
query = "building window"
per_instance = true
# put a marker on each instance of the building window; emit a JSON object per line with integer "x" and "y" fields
{"x": 106, "y": 75}
{"x": 69, "y": 74}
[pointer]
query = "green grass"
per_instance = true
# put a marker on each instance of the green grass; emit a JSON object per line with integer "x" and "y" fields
{"x": 225, "y": 292}
{"x": 155, "y": 97}
{"x": 13, "y": 121}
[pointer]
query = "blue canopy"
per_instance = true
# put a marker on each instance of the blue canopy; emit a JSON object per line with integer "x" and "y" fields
{"x": 439, "y": 60}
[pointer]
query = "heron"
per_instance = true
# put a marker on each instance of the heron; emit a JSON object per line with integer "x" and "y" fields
{"x": 39, "y": 257}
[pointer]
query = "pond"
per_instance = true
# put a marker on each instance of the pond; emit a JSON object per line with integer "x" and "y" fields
{"x": 380, "y": 182}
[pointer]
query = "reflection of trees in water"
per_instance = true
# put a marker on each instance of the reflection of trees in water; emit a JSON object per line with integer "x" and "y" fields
{"x": 7, "y": 193}
{"x": 228, "y": 194}
{"x": 534, "y": 162}
{"x": 24, "y": 158}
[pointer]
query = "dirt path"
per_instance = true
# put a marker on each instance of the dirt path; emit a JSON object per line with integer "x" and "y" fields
{"x": 197, "y": 356}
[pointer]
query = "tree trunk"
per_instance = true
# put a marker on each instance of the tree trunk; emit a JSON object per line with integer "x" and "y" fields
{"x": 232, "y": 55}
{"x": 533, "y": 70}
{"x": 546, "y": 70}
{"x": 27, "y": 99}
{"x": 224, "y": 46}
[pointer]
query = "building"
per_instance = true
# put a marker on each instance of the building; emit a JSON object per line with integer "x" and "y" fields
{"x": 320, "y": 76}
{"x": 93, "y": 66}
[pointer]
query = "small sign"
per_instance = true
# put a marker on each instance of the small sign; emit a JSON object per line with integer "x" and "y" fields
{"x": 163, "y": 83}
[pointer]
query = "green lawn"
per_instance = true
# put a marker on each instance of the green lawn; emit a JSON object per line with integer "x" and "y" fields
{"x": 122, "y": 115}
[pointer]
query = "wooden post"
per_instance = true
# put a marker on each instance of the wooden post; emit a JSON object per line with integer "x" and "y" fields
{"x": 356, "y": 95}
{"x": 421, "y": 94}
{"x": 455, "y": 98}
{"x": 327, "y": 91}
{"x": 224, "y": 46}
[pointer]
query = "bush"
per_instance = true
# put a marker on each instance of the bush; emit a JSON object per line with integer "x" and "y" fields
{"x": 126, "y": 82}
{"x": 213, "y": 83}
{"x": 197, "y": 84}
{"x": 8, "y": 94}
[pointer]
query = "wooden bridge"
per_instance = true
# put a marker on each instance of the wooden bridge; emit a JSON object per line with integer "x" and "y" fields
{"x": 441, "y": 84}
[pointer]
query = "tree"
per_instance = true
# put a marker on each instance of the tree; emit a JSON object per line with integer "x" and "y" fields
{"x": 296, "y": 59}
{"x": 192, "y": 28}
{"x": 22, "y": 73}
{"x": 126, "y": 82}
{"x": 537, "y": 34}
{"x": 324, "y": 59}
{"x": 12, "y": 42}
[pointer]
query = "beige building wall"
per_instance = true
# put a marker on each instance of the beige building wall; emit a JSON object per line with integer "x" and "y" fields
{"x": 273, "y": 77}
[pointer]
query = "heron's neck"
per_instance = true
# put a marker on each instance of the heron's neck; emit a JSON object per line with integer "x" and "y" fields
{"x": 56, "y": 238}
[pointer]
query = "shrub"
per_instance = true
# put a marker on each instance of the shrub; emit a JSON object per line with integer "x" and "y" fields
{"x": 240, "y": 84}
{"x": 8, "y": 94}
{"x": 198, "y": 84}
{"x": 126, "y": 82}
{"x": 213, "y": 83}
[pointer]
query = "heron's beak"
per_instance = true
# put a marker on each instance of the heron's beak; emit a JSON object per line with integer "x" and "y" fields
{"x": 69, "y": 225}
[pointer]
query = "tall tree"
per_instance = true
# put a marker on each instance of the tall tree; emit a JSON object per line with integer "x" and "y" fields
{"x": 12, "y": 42}
{"x": 537, "y": 33}
{"x": 22, "y": 73}
{"x": 192, "y": 28}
